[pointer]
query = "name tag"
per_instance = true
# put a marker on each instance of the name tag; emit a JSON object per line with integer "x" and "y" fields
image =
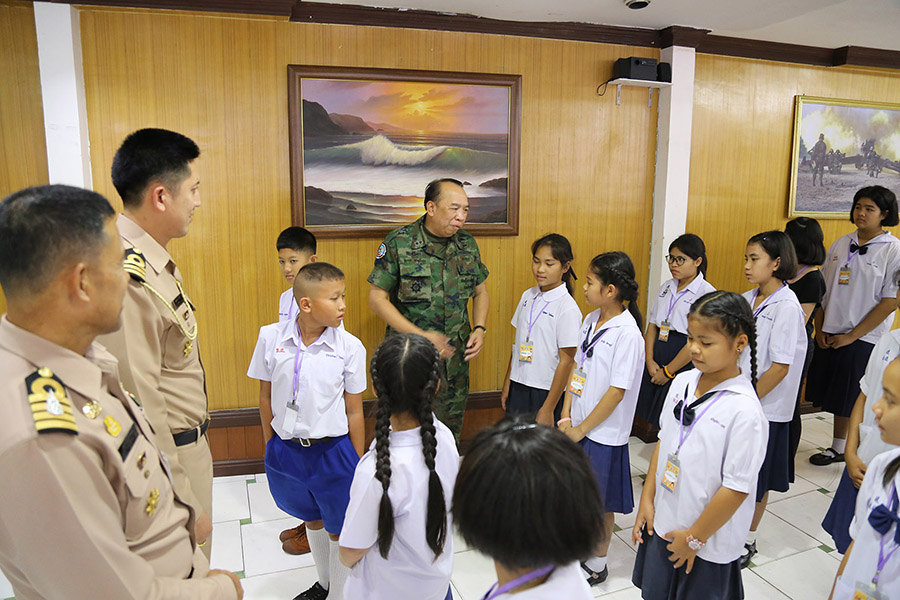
{"x": 291, "y": 413}
{"x": 664, "y": 331}
{"x": 670, "y": 476}
{"x": 844, "y": 276}
{"x": 865, "y": 590}
{"x": 526, "y": 352}
{"x": 576, "y": 383}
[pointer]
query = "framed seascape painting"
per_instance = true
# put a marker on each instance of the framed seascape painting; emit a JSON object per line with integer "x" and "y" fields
{"x": 366, "y": 142}
{"x": 839, "y": 147}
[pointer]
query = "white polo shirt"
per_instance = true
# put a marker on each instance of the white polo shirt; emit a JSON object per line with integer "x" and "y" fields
{"x": 556, "y": 321}
{"x": 871, "y": 384}
{"x": 410, "y": 571}
{"x": 863, "y": 560}
{"x": 780, "y": 338}
{"x": 669, "y": 301}
{"x": 726, "y": 448}
{"x": 871, "y": 281}
{"x": 617, "y": 361}
{"x": 333, "y": 364}
{"x": 287, "y": 307}
{"x": 568, "y": 582}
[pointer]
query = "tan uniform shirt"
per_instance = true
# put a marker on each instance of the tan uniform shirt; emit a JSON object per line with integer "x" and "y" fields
{"x": 158, "y": 358}
{"x": 87, "y": 508}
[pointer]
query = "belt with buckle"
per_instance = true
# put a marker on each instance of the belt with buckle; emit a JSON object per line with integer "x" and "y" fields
{"x": 192, "y": 435}
{"x": 306, "y": 443}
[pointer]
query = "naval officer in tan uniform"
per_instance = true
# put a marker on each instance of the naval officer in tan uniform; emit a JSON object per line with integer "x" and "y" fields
{"x": 87, "y": 508}
{"x": 155, "y": 173}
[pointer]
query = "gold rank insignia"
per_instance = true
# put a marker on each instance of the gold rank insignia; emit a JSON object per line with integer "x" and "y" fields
{"x": 112, "y": 426}
{"x": 50, "y": 405}
{"x": 92, "y": 409}
{"x": 135, "y": 264}
{"x": 129, "y": 394}
{"x": 152, "y": 502}
{"x": 188, "y": 346}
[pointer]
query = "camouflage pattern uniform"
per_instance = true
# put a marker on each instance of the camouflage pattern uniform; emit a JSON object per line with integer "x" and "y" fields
{"x": 430, "y": 282}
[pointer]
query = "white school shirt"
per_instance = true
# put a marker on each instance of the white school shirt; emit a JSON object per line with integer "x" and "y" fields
{"x": 863, "y": 559}
{"x": 568, "y": 582}
{"x": 288, "y": 309}
{"x": 556, "y": 325}
{"x": 333, "y": 364}
{"x": 410, "y": 571}
{"x": 726, "y": 448}
{"x": 667, "y": 296}
{"x": 886, "y": 350}
{"x": 780, "y": 338}
{"x": 618, "y": 361}
{"x": 871, "y": 281}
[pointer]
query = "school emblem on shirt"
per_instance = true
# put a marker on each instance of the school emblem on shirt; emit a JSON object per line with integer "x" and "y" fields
{"x": 382, "y": 250}
{"x": 50, "y": 405}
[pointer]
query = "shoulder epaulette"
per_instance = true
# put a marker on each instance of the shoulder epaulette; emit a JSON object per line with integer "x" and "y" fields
{"x": 136, "y": 265}
{"x": 50, "y": 405}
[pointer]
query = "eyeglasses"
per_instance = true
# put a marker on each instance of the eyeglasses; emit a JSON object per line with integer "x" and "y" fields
{"x": 676, "y": 260}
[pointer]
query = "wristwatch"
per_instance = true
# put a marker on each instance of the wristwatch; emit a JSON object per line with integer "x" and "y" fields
{"x": 694, "y": 544}
{"x": 481, "y": 327}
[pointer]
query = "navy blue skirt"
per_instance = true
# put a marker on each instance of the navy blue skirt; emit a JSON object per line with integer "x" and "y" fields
{"x": 658, "y": 580}
{"x": 840, "y": 513}
{"x": 775, "y": 473}
{"x": 613, "y": 472}
{"x": 526, "y": 400}
{"x": 652, "y": 397}
{"x": 833, "y": 380}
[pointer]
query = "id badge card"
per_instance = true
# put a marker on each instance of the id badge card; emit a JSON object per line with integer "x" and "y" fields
{"x": 576, "y": 383}
{"x": 526, "y": 352}
{"x": 670, "y": 476}
{"x": 866, "y": 590}
{"x": 844, "y": 275}
{"x": 664, "y": 331}
{"x": 291, "y": 412}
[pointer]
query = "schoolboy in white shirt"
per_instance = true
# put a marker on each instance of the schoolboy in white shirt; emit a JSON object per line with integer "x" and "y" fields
{"x": 312, "y": 376}
{"x": 296, "y": 248}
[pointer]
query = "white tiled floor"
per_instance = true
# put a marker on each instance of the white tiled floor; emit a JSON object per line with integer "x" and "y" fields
{"x": 795, "y": 559}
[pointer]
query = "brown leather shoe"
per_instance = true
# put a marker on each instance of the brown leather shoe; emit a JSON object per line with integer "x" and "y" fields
{"x": 294, "y": 531}
{"x": 297, "y": 544}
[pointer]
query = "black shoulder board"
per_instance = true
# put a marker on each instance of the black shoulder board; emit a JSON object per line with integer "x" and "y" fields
{"x": 135, "y": 264}
{"x": 50, "y": 405}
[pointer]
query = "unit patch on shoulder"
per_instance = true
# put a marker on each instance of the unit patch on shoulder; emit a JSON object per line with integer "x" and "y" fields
{"x": 135, "y": 264}
{"x": 50, "y": 405}
{"x": 382, "y": 250}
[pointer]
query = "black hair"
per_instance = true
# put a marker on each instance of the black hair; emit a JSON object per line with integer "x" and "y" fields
{"x": 693, "y": 247}
{"x": 733, "y": 316}
{"x": 296, "y": 238}
{"x": 319, "y": 271}
{"x": 526, "y": 497}
{"x": 148, "y": 155}
{"x": 778, "y": 246}
{"x": 615, "y": 268}
{"x": 406, "y": 369}
{"x": 808, "y": 239}
{"x": 891, "y": 471}
{"x": 433, "y": 189}
{"x": 44, "y": 229}
{"x": 561, "y": 250}
{"x": 883, "y": 198}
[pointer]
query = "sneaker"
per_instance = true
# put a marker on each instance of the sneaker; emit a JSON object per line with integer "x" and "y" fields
{"x": 826, "y": 457}
{"x": 316, "y": 592}
{"x": 594, "y": 577}
{"x": 748, "y": 554}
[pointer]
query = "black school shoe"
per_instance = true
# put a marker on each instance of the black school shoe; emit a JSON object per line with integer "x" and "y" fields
{"x": 826, "y": 457}
{"x": 316, "y": 592}
{"x": 594, "y": 577}
{"x": 749, "y": 552}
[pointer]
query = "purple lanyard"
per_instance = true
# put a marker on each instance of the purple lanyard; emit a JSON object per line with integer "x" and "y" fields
{"x": 494, "y": 591}
{"x": 531, "y": 318}
{"x": 882, "y": 559}
{"x": 766, "y": 301}
{"x": 673, "y": 301}
{"x": 682, "y": 436}
{"x": 801, "y": 272}
{"x": 298, "y": 363}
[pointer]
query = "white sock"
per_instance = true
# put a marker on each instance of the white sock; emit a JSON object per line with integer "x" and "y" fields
{"x": 338, "y": 574}
{"x": 751, "y": 538}
{"x": 596, "y": 563}
{"x": 319, "y": 546}
{"x": 838, "y": 444}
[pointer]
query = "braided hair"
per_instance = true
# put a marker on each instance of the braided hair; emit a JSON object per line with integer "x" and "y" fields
{"x": 615, "y": 268}
{"x": 733, "y": 314}
{"x": 405, "y": 374}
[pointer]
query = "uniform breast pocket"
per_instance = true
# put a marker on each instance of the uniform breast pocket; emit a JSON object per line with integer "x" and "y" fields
{"x": 466, "y": 276}
{"x": 415, "y": 281}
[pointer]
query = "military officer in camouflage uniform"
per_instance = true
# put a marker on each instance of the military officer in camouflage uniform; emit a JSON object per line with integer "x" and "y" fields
{"x": 423, "y": 277}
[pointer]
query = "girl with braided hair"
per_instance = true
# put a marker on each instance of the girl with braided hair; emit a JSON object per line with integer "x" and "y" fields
{"x": 602, "y": 393}
{"x": 698, "y": 498}
{"x": 396, "y": 536}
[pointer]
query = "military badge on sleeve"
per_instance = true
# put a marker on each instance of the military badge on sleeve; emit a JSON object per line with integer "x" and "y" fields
{"x": 50, "y": 405}
{"x": 382, "y": 250}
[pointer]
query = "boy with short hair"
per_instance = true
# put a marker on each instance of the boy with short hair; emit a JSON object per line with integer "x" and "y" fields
{"x": 312, "y": 375}
{"x": 296, "y": 248}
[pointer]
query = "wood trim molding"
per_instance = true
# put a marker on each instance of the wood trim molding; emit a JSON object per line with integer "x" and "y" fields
{"x": 238, "y": 466}
{"x": 247, "y": 7}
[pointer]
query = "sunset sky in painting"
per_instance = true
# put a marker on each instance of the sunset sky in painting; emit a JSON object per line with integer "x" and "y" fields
{"x": 435, "y": 107}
